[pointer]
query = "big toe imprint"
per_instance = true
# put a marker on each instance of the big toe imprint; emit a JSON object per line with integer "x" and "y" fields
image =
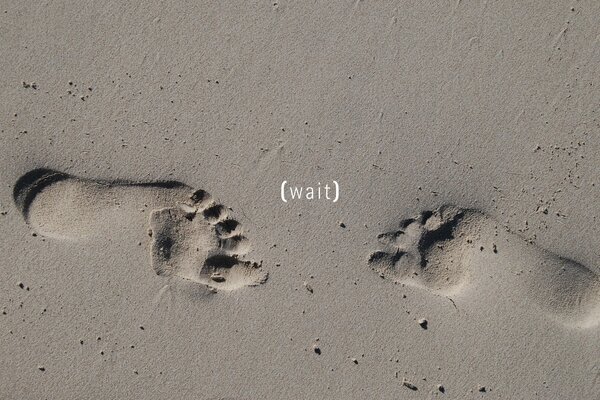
{"x": 449, "y": 250}
{"x": 192, "y": 236}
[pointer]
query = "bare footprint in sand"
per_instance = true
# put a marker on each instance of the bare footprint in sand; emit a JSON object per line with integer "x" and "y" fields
{"x": 192, "y": 236}
{"x": 450, "y": 249}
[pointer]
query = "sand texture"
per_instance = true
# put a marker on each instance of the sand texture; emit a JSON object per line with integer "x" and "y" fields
{"x": 146, "y": 251}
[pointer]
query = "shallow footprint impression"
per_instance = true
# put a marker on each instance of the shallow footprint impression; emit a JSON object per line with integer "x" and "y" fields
{"x": 450, "y": 249}
{"x": 192, "y": 236}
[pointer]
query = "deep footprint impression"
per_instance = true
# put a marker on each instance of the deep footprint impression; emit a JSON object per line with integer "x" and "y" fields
{"x": 193, "y": 237}
{"x": 450, "y": 249}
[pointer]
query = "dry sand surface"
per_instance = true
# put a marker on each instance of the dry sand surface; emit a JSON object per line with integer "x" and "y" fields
{"x": 146, "y": 252}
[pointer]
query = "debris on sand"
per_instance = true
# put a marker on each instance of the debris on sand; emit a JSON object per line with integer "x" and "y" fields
{"x": 409, "y": 385}
{"x": 308, "y": 287}
{"x": 31, "y": 85}
{"x": 423, "y": 323}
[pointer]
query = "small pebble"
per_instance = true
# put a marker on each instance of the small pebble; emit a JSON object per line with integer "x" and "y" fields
{"x": 423, "y": 323}
{"x": 308, "y": 287}
{"x": 41, "y": 368}
{"x": 441, "y": 388}
{"x": 317, "y": 349}
{"x": 409, "y": 385}
{"x": 482, "y": 389}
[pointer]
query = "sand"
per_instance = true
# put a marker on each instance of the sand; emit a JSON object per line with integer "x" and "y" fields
{"x": 146, "y": 251}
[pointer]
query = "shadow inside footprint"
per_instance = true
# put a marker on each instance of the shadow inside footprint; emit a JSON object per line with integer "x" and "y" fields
{"x": 33, "y": 183}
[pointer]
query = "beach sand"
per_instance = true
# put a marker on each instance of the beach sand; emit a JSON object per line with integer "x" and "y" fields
{"x": 147, "y": 252}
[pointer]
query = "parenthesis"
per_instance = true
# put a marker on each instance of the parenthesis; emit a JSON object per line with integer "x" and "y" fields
{"x": 337, "y": 192}
{"x": 283, "y": 191}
